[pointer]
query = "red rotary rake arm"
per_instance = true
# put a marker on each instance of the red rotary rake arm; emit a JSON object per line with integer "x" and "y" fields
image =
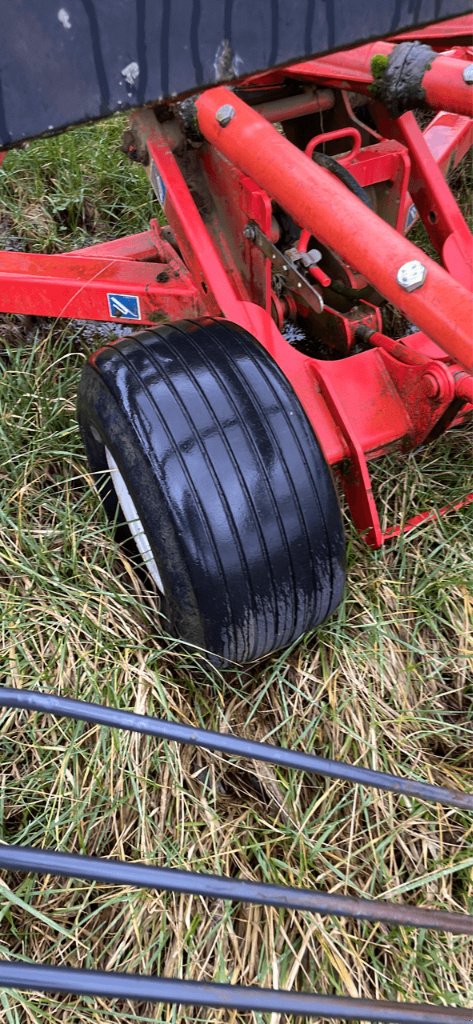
{"x": 78, "y": 287}
{"x": 442, "y": 83}
{"x": 452, "y": 32}
{"x": 77, "y": 284}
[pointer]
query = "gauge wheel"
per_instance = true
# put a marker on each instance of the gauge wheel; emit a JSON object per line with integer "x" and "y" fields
{"x": 200, "y": 447}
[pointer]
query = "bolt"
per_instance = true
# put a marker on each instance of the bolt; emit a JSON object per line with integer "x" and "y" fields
{"x": 249, "y": 232}
{"x": 411, "y": 275}
{"x": 468, "y": 74}
{"x": 432, "y": 386}
{"x": 225, "y": 114}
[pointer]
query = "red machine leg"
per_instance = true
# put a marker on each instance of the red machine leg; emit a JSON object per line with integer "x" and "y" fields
{"x": 186, "y": 220}
{"x": 440, "y": 212}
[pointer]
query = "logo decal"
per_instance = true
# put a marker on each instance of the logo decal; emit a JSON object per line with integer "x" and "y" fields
{"x": 124, "y": 307}
{"x": 411, "y": 216}
{"x": 157, "y": 184}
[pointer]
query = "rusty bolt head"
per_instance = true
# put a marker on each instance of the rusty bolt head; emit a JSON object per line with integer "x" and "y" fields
{"x": 468, "y": 74}
{"x": 225, "y": 114}
{"x": 411, "y": 275}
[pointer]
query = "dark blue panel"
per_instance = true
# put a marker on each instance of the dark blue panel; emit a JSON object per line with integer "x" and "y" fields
{"x": 66, "y": 61}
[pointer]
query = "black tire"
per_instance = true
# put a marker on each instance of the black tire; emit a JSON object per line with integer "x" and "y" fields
{"x": 228, "y": 480}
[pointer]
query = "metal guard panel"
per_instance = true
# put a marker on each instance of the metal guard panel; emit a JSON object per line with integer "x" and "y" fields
{"x": 67, "y": 61}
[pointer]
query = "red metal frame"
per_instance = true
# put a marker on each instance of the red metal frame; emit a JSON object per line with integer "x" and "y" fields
{"x": 392, "y": 394}
{"x": 443, "y": 83}
{"x": 453, "y": 32}
{"x": 442, "y": 307}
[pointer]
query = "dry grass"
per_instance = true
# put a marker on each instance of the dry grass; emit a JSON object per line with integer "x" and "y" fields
{"x": 387, "y": 682}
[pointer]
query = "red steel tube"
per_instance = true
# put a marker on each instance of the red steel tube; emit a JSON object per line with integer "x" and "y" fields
{"x": 464, "y": 389}
{"x": 395, "y": 348}
{"x": 444, "y": 85}
{"x": 187, "y": 220}
{"x": 317, "y": 201}
{"x": 296, "y": 106}
{"x": 443, "y": 34}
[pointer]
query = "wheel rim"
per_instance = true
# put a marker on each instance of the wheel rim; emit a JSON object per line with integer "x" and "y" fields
{"x": 135, "y": 525}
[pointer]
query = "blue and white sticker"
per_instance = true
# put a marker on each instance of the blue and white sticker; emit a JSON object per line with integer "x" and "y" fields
{"x": 124, "y": 307}
{"x": 157, "y": 183}
{"x": 411, "y": 216}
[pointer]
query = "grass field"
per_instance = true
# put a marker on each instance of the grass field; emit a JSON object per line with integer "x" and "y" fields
{"x": 387, "y": 683}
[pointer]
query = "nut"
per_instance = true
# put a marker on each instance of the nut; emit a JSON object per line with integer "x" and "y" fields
{"x": 468, "y": 74}
{"x": 225, "y": 114}
{"x": 411, "y": 275}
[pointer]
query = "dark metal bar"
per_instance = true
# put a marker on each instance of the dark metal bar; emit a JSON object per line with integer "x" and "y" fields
{"x": 97, "y": 714}
{"x": 70, "y": 865}
{"x": 114, "y": 985}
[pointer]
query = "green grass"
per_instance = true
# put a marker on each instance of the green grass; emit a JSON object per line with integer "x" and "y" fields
{"x": 63, "y": 192}
{"x": 387, "y": 682}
